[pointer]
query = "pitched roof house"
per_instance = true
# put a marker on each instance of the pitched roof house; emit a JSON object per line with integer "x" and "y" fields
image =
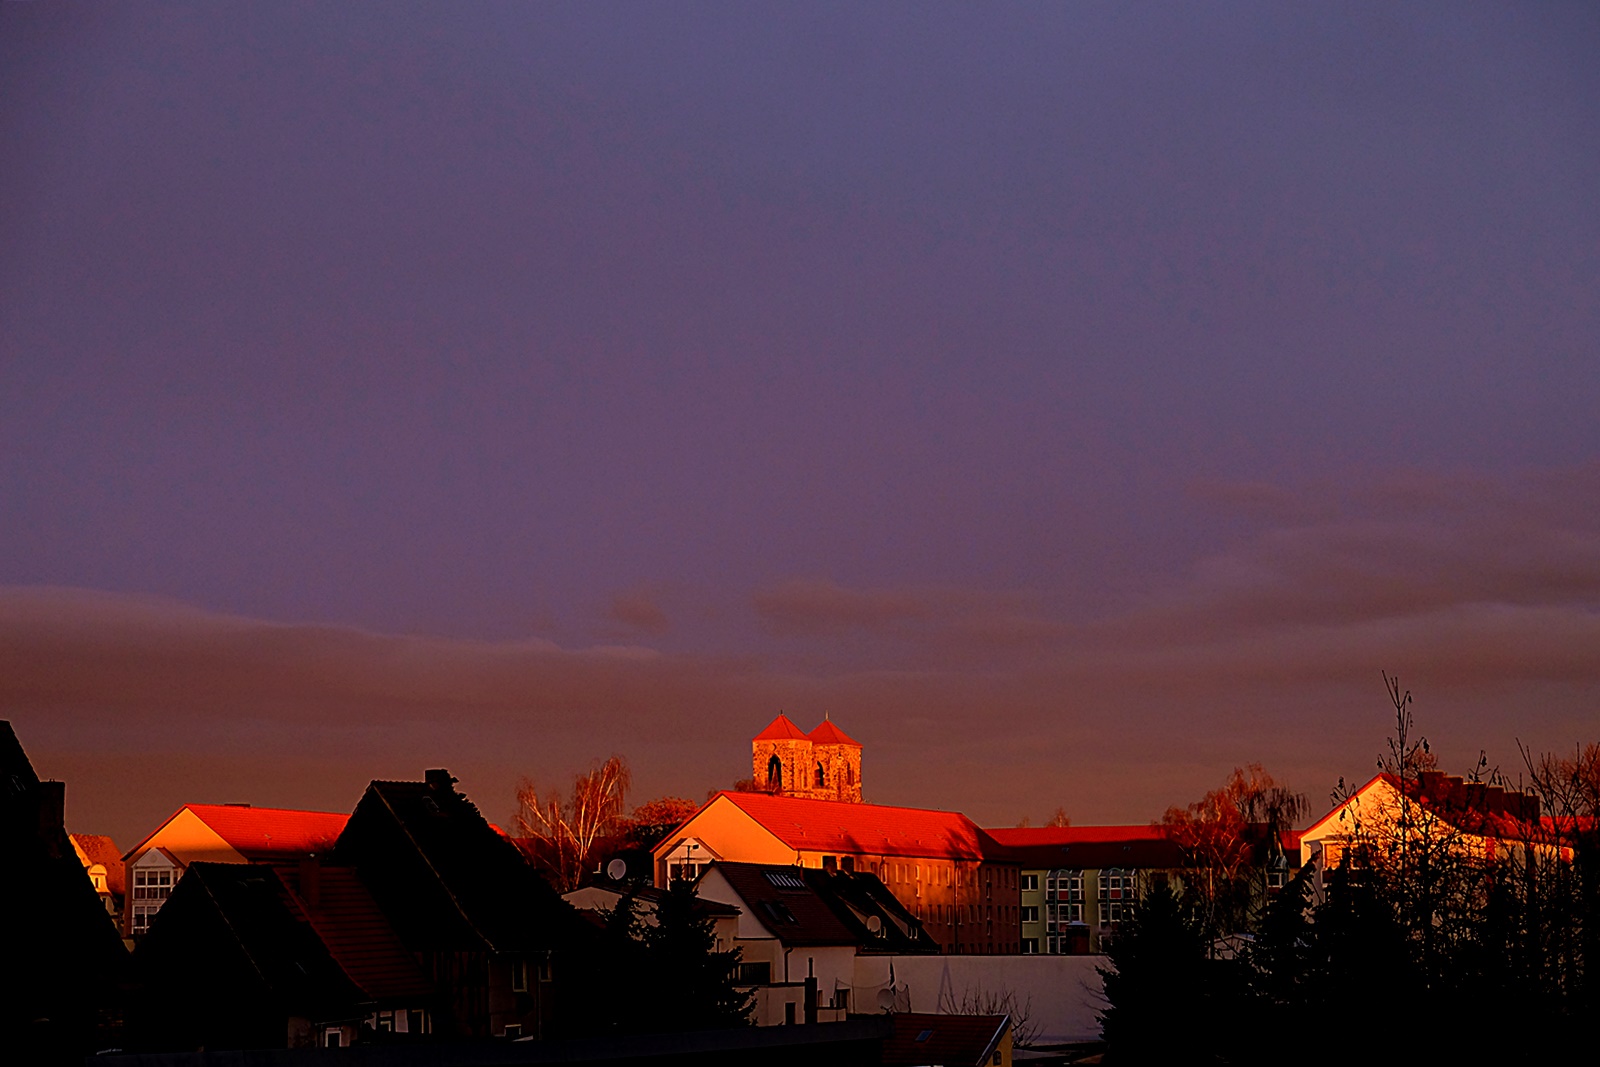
{"x": 218, "y": 833}
{"x": 1474, "y": 816}
{"x": 939, "y": 865}
{"x": 257, "y": 956}
{"x": 485, "y": 926}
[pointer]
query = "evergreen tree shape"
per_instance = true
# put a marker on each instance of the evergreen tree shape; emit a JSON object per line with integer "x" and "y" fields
{"x": 698, "y": 990}
{"x": 1154, "y": 987}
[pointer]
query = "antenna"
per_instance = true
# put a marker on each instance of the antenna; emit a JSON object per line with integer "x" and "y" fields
{"x": 617, "y": 869}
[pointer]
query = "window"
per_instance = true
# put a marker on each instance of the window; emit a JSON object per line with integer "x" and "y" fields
{"x": 1030, "y": 883}
{"x": 333, "y": 1037}
{"x": 1275, "y": 879}
{"x": 754, "y": 974}
{"x": 775, "y": 773}
{"x": 841, "y": 999}
{"x": 1030, "y": 913}
{"x": 822, "y": 777}
{"x": 847, "y": 862}
{"x": 830, "y": 863}
{"x": 519, "y": 976}
{"x": 544, "y": 968}
{"x": 513, "y": 1030}
{"x": 152, "y": 883}
{"x": 788, "y": 1013}
{"x": 1030, "y": 946}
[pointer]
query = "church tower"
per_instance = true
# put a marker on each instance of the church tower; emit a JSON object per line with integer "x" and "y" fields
{"x": 822, "y": 765}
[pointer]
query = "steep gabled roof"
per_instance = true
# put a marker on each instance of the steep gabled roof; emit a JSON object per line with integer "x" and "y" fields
{"x": 787, "y": 904}
{"x": 859, "y": 898}
{"x": 354, "y": 930}
{"x": 249, "y": 905}
{"x": 866, "y": 829}
{"x": 781, "y": 729}
{"x": 828, "y": 734}
{"x": 444, "y": 878}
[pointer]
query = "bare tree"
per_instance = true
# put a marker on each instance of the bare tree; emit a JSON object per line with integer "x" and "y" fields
{"x": 978, "y": 1001}
{"x": 562, "y": 832}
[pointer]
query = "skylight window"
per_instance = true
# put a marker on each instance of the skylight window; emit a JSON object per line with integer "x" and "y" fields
{"x": 785, "y": 880}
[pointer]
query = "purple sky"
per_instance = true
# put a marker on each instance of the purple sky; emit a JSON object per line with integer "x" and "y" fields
{"x": 1075, "y": 400}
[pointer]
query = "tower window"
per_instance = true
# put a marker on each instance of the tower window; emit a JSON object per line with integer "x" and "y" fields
{"x": 822, "y": 777}
{"x": 775, "y": 772}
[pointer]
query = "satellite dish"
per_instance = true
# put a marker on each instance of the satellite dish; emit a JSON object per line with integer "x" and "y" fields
{"x": 617, "y": 870}
{"x": 874, "y": 925}
{"x": 886, "y": 999}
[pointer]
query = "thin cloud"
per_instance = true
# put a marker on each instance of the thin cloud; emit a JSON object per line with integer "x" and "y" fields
{"x": 640, "y": 612}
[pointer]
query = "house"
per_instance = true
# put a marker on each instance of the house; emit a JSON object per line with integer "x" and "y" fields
{"x": 923, "y": 1040}
{"x": 947, "y": 873}
{"x": 102, "y": 862}
{"x": 261, "y": 956}
{"x": 63, "y": 959}
{"x": 1430, "y": 809}
{"x": 1078, "y": 882}
{"x": 799, "y": 931}
{"x": 485, "y": 927}
{"x": 217, "y": 833}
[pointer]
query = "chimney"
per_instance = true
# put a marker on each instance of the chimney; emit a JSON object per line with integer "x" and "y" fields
{"x": 440, "y": 780}
{"x": 311, "y": 883}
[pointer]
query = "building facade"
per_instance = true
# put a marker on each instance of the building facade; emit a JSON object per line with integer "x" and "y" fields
{"x": 939, "y": 865}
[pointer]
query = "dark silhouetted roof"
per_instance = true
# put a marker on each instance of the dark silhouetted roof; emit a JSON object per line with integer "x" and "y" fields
{"x": 444, "y": 878}
{"x": 354, "y": 930}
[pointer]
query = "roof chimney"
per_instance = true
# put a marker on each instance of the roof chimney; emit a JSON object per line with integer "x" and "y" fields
{"x": 440, "y": 780}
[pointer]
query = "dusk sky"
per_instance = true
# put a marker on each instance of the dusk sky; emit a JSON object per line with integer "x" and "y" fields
{"x": 1075, "y": 400}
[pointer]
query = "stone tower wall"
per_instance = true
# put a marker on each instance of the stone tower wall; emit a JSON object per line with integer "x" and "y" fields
{"x": 841, "y": 767}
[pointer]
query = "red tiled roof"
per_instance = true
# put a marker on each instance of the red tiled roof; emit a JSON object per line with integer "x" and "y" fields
{"x": 829, "y": 734}
{"x": 864, "y": 829}
{"x": 946, "y": 1040}
{"x": 265, "y": 833}
{"x": 102, "y": 850}
{"x": 781, "y": 729}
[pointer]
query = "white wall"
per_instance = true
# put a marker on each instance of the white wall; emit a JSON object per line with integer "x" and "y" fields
{"x": 1061, "y": 994}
